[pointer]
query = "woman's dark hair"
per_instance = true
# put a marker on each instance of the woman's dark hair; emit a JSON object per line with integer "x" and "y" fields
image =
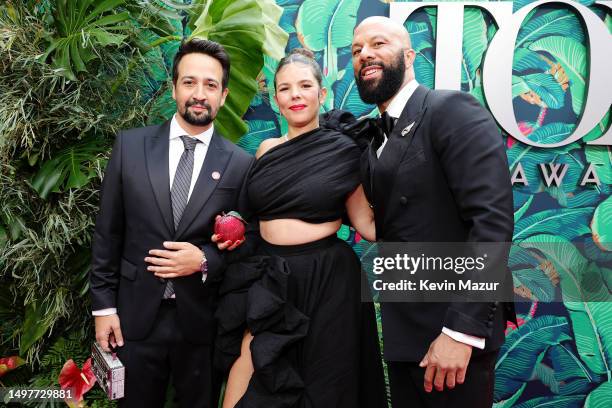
{"x": 210, "y": 48}
{"x": 303, "y": 56}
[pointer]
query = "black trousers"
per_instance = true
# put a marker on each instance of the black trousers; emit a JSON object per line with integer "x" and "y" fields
{"x": 165, "y": 354}
{"x": 407, "y": 378}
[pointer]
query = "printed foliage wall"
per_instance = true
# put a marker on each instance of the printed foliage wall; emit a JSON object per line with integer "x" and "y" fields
{"x": 561, "y": 353}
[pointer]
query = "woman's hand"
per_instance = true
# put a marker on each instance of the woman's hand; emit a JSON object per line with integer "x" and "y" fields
{"x": 229, "y": 245}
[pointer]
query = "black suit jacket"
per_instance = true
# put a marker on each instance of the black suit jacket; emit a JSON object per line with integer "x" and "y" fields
{"x": 445, "y": 180}
{"x": 136, "y": 216}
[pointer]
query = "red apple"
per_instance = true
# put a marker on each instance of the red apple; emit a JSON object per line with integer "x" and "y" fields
{"x": 230, "y": 227}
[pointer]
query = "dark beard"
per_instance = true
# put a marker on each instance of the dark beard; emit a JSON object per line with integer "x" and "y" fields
{"x": 204, "y": 119}
{"x": 389, "y": 83}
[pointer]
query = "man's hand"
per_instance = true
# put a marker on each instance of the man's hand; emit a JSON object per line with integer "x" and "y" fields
{"x": 446, "y": 361}
{"x": 227, "y": 244}
{"x": 108, "y": 331}
{"x": 178, "y": 259}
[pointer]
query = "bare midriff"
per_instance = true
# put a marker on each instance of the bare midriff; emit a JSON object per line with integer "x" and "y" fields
{"x": 289, "y": 231}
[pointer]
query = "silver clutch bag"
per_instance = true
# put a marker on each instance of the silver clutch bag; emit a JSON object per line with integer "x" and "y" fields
{"x": 109, "y": 372}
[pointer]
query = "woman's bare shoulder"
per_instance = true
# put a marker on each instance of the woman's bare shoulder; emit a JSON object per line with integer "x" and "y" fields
{"x": 266, "y": 145}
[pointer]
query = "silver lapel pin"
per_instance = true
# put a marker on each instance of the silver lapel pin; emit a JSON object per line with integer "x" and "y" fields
{"x": 406, "y": 130}
{"x": 216, "y": 175}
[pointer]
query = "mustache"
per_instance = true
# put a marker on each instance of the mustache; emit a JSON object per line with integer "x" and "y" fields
{"x": 189, "y": 104}
{"x": 370, "y": 63}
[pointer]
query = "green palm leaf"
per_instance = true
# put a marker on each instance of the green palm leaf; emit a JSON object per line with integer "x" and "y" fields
{"x": 82, "y": 26}
{"x": 474, "y": 44}
{"x": 586, "y": 298}
{"x": 568, "y": 223}
{"x": 524, "y": 349}
{"x": 601, "y": 158}
{"x": 526, "y": 60}
{"x": 73, "y": 167}
{"x": 544, "y": 85}
{"x": 424, "y": 67}
{"x": 602, "y": 225}
{"x": 557, "y": 401}
{"x": 327, "y": 23}
{"x": 552, "y": 132}
{"x": 259, "y": 130}
{"x": 238, "y": 27}
{"x": 571, "y": 374}
{"x": 555, "y": 22}
{"x": 572, "y": 56}
{"x": 600, "y": 397}
{"x": 420, "y": 35}
{"x": 34, "y": 326}
{"x": 346, "y": 95}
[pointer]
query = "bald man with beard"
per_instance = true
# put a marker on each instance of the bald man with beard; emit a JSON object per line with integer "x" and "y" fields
{"x": 436, "y": 173}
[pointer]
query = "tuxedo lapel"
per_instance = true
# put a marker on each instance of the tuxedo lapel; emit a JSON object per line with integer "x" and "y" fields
{"x": 216, "y": 160}
{"x": 157, "y": 156}
{"x": 385, "y": 168}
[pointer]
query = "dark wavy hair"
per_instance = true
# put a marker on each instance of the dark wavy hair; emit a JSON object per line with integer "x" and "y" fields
{"x": 303, "y": 56}
{"x": 210, "y": 48}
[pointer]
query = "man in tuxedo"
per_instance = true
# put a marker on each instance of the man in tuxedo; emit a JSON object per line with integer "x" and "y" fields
{"x": 155, "y": 274}
{"x": 436, "y": 173}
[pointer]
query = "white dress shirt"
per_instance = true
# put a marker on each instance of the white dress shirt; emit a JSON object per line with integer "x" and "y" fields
{"x": 175, "y": 150}
{"x": 395, "y": 109}
{"x": 396, "y": 106}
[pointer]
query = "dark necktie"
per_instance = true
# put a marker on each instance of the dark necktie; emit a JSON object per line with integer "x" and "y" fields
{"x": 384, "y": 123}
{"x": 180, "y": 190}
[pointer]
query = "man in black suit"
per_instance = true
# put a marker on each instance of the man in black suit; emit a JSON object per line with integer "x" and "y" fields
{"x": 155, "y": 274}
{"x": 438, "y": 173}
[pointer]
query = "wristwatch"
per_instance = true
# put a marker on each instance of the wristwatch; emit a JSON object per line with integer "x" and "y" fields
{"x": 204, "y": 267}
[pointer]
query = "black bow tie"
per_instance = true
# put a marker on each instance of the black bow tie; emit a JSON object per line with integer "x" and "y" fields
{"x": 385, "y": 124}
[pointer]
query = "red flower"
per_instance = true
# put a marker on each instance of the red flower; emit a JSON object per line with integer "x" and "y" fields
{"x": 76, "y": 380}
{"x": 10, "y": 363}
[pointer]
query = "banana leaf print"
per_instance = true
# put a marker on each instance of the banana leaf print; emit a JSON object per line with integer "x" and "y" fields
{"x": 581, "y": 280}
{"x": 571, "y": 375}
{"x": 523, "y": 350}
{"x": 526, "y": 60}
{"x": 259, "y": 130}
{"x": 561, "y": 401}
{"x": 346, "y": 95}
{"x": 600, "y": 398}
{"x": 572, "y": 56}
{"x": 327, "y": 25}
{"x": 567, "y": 223}
{"x": 475, "y": 43}
{"x": 600, "y": 225}
{"x": 544, "y": 85}
{"x": 556, "y": 22}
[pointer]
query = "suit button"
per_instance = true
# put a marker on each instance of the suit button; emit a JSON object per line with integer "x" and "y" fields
{"x": 489, "y": 324}
{"x": 403, "y": 200}
{"x": 491, "y": 315}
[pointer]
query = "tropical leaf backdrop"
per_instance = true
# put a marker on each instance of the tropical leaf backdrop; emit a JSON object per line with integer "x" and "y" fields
{"x": 74, "y": 72}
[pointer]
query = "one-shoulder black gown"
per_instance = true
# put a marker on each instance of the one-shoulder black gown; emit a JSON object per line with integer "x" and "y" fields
{"x": 315, "y": 342}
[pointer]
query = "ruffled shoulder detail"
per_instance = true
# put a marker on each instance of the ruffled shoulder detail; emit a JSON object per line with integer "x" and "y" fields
{"x": 360, "y": 130}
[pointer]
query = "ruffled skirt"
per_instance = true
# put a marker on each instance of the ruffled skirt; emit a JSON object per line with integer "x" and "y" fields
{"x": 315, "y": 343}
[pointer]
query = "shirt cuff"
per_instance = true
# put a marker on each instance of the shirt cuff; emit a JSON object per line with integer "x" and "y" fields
{"x": 473, "y": 341}
{"x": 104, "y": 312}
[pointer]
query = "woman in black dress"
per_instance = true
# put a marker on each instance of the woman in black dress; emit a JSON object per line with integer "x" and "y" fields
{"x": 292, "y": 324}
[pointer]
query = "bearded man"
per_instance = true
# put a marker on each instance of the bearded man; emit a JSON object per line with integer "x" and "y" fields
{"x": 437, "y": 172}
{"x": 155, "y": 273}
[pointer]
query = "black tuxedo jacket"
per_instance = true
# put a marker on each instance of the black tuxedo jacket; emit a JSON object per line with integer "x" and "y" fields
{"x": 136, "y": 216}
{"x": 445, "y": 179}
